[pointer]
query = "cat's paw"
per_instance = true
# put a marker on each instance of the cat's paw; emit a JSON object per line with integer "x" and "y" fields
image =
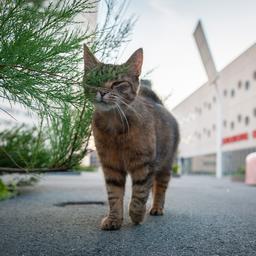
{"x": 137, "y": 216}
{"x": 156, "y": 211}
{"x": 110, "y": 224}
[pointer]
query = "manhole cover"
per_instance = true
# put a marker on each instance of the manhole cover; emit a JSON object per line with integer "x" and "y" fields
{"x": 78, "y": 203}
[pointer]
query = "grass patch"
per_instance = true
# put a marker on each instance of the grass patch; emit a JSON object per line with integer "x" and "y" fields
{"x": 238, "y": 175}
{"x": 240, "y": 172}
{"x": 5, "y": 192}
{"x": 82, "y": 168}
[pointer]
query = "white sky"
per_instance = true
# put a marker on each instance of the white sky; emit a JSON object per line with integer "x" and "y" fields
{"x": 164, "y": 29}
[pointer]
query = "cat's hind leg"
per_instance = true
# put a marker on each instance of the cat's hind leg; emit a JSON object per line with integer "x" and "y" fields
{"x": 160, "y": 185}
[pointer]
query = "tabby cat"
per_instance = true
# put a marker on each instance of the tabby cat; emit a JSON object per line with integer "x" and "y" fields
{"x": 134, "y": 134}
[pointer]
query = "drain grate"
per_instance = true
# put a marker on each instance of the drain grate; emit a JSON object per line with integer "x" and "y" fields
{"x": 78, "y": 203}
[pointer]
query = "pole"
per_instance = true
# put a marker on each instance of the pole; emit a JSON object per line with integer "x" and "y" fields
{"x": 219, "y": 118}
{"x": 212, "y": 74}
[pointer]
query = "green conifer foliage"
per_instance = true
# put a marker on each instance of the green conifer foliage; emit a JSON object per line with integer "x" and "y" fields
{"x": 41, "y": 49}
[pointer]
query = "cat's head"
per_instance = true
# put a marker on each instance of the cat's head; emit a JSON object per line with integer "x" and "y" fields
{"x": 117, "y": 85}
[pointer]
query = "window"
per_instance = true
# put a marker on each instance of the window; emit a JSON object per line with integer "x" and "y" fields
{"x": 214, "y": 127}
{"x": 198, "y": 110}
{"x": 247, "y": 85}
{"x": 254, "y": 75}
{"x": 224, "y": 123}
{"x": 232, "y": 93}
{"x": 239, "y": 118}
{"x": 232, "y": 125}
{"x": 225, "y": 93}
{"x": 209, "y": 106}
{"x": 247, "y": 120}
{"x": 209, "y": 133}
{"x": 198, "y": 135}
{"x": 214, "y": 99}
{"x": 254, "y": 112}
{"x": 239, "y": 84}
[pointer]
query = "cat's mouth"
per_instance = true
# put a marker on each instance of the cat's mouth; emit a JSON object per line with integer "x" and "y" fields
{"x": 102, "y": 102}
{"x": 103, "y": 105}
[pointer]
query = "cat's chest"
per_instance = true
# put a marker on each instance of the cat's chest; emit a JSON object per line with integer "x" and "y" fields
{"x": 126, "y": 149}
{"x": 113, "y": 134}
{"x": 119, "y": 145}
{"x": 112, "y": 141}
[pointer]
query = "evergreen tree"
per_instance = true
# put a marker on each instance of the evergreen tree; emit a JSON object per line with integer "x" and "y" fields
{"x": 40, "y": 68}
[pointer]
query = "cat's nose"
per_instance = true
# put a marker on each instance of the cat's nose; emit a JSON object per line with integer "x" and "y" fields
{"x": 102, "y": 94}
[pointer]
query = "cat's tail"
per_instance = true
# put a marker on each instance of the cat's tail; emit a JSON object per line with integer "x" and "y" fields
{"x": 148, "y": 93}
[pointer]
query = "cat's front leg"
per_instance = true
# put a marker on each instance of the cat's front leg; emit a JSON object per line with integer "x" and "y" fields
{"x": 142, "y": 179}
{"x": 115, "y": 184}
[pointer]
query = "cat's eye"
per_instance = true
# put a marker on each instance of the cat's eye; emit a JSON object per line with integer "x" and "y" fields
{"x": 121, "y": 86}
{"x": 118, "y": 84}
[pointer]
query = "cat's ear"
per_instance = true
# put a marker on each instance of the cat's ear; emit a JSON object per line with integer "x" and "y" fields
{"x": 90, "y": 61}
{"x": 134, "y": 63}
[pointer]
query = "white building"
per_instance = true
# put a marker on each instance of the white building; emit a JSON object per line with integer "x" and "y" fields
{"x": 197, "y": 118}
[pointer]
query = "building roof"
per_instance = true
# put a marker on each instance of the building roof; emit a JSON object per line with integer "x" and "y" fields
{"x": 225, "y": 67}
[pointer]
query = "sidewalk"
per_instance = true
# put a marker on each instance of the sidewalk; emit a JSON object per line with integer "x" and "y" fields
{"x": 204, "y": 216}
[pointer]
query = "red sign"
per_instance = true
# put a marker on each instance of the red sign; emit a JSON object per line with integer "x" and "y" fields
{"x": 254, "y": 134}
{"x": 236, "y": 138}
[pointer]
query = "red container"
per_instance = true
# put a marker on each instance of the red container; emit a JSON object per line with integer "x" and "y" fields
{"x": 250, "y": 174}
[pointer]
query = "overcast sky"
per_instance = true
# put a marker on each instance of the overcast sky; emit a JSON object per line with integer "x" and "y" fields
{"x": 164, "y": 29}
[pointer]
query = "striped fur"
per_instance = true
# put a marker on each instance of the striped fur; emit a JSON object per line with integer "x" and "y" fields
{"x": 141, "y": 141}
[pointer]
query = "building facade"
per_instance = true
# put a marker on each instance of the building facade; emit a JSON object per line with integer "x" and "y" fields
{"x": 197, "y": 118}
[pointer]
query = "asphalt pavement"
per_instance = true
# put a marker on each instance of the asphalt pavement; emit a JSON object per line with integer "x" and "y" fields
{"x": 203, "y": 216}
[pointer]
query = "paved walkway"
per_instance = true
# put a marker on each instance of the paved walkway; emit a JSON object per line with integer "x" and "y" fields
{"x": 204, "y": 216}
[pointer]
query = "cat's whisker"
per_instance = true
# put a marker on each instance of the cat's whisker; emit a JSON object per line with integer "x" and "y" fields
{"x": 128, "y": 105}
{"x": 142, "y": 101}
{"x": 113, "y": 101}
{"x": 118, "y": 111}
{"x": 125, "y": 118}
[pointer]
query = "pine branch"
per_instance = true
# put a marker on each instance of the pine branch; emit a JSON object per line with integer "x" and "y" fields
{"x": 40, "y": 67}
